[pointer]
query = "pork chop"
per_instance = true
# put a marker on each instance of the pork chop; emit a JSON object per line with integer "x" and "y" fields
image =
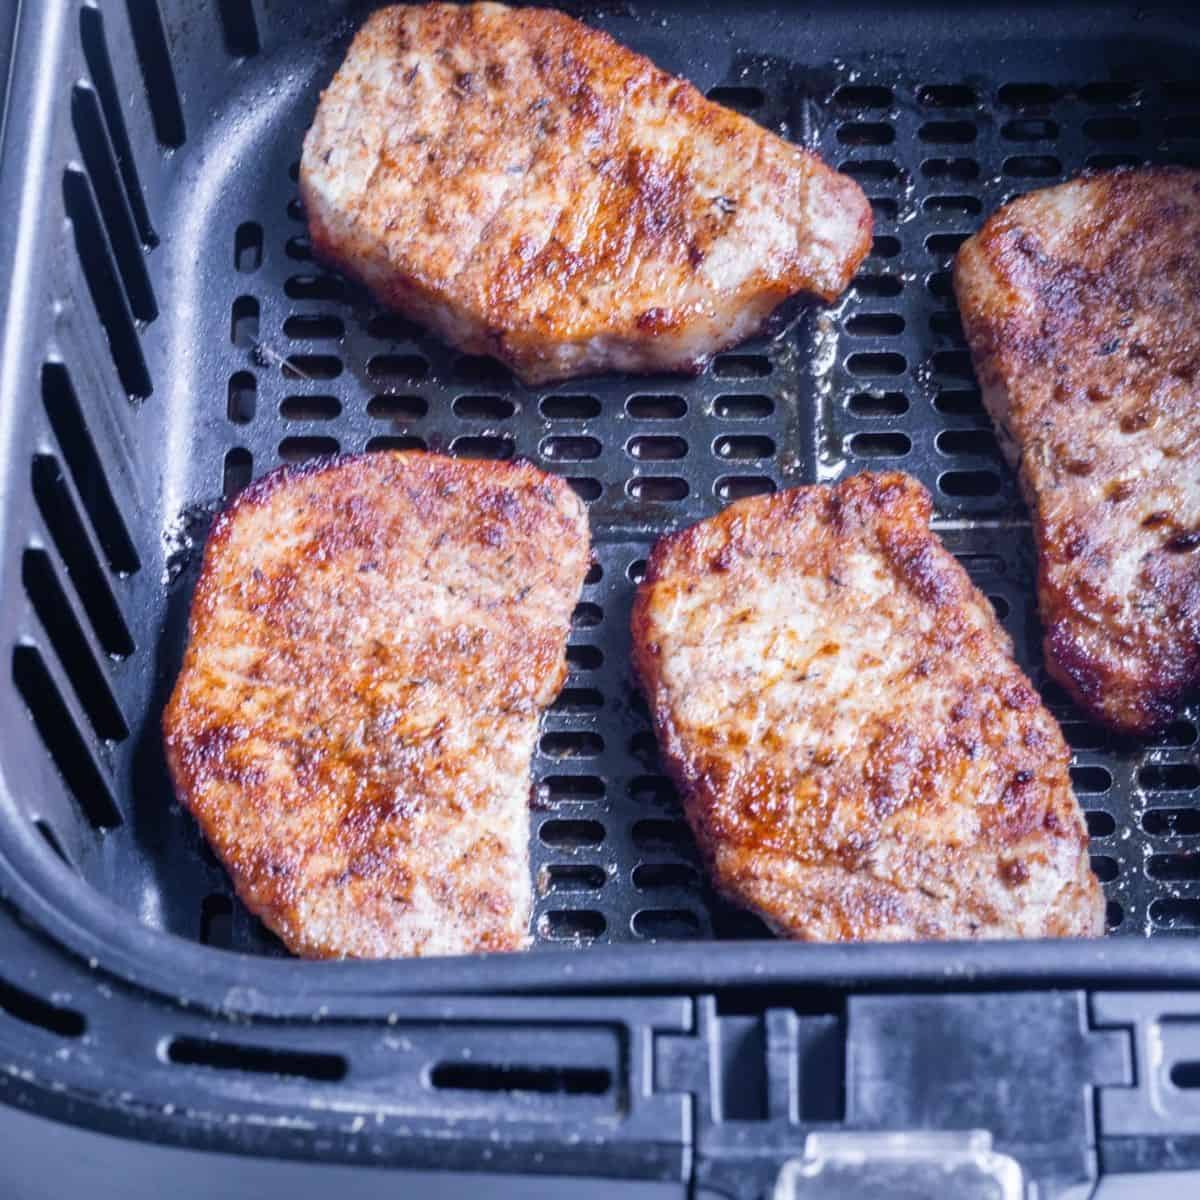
{"x": 532, "y": 190}
{"x": 859, "y": 756}
{"x": 1081, "y": 304}
{"x": 372, "y": 642}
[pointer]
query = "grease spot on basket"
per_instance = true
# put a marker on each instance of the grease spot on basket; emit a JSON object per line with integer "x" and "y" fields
{"x": 183, "y": 538}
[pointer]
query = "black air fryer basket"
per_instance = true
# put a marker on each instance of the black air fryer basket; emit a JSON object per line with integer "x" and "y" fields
{"x": 167, "y": 337}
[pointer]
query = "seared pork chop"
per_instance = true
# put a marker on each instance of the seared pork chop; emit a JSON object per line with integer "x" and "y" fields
{"x": 372, "y": 642}
{"x": 1081, "y": 304}
{"x": 859, "y": 756}
{"x": 532, "y": 190}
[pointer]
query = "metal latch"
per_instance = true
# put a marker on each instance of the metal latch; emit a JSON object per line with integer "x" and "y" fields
{"x": 905, "y": 1166}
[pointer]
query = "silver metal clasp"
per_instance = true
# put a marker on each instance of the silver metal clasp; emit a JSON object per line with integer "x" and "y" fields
{"x": 902, "y": 1166}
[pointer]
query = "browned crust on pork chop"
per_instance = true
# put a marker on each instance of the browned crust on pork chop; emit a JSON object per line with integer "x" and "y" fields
{"x": 533, "y": 190}
{"x": 1081, "y": 304}
{"x": 372, "y": 641}
{"x": 858, "y": 754}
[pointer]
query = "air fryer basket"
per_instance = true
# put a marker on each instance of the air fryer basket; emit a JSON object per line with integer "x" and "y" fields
{"x": 168, "y": 337}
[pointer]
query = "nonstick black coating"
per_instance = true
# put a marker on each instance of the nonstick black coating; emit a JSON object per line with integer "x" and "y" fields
{"x": 242, "y": 354}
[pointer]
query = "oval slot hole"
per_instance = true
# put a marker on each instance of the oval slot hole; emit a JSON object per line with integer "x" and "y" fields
{"x": 257, "y": 1060}
{"x": 507, "y": 1077}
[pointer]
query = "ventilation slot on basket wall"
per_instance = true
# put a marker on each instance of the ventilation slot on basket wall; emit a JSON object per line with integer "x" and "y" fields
{"x": 95, "y": 51}
{"x": 744, "y": 99}
{"x": 243, "y": 323}
{"x": 314, "y": 327}
{"x": 666, "y": 924}
{"x": 248, "y": 247}
{"x": 108, "y": 295}
{"x": 99, "y": 158}
{"x": 310, "y": 408}
{"x": 302, "y": 449}
{"x": 484, "y": 408}
{"x": 866, "y": 96}
{"x": 396, "y": 443}
{"x": 295, "y": 366}
{"x": 571, "y": 835}
{"x": 75, "y": 548}
{"x": 572, "y": 788}
{"x": 53, "y": 841}
{"x": 67, "y": 746}
{"x": 500, "y": 448}
{"x": 216, "y": 920}
{"x": 87, "y": 471}
{"x": 1173, "y": 914}
{"x": 1186, "y": 1075}
{"x": 578, "y": 700}
{"x": 741, "y": 366}
{"x": 242, "y": 398}
{"x": 241, "y": 30}
{"x": 257, "y": 1060}
{"x": 570, "y": 408}
{"x": 397, "y": 408}
{"x": 651, "y": 876}
{"x": 503, "y": 1077}
{"x": 158, "y": 74}
{"x": 568, "y": 877}
{"x": 32, "y": 1010}
{"x": 237, "y": 471}
{"x": 71, "y": 644}
{"x": 572, "y": 925}
{"x": 1172, "y": 822}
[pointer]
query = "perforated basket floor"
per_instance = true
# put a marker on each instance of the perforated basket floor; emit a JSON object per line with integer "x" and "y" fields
{"x": 177, "y": 341}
